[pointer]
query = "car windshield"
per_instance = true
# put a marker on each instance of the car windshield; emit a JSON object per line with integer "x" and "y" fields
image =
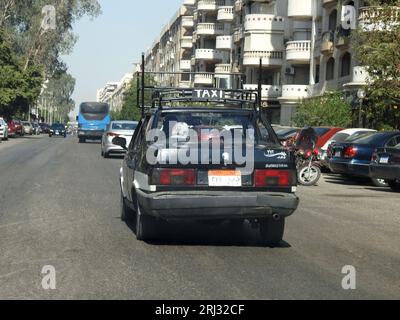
{"x": 58, "y": 127}
{"x": 284, "y": 132}
{"x": 207, "y": 124}
{"x": 359, "y": 135}
{"x": 124, "y": 126}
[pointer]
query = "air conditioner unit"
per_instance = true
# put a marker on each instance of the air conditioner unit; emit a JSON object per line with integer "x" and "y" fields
{"x": 290, "y": 71}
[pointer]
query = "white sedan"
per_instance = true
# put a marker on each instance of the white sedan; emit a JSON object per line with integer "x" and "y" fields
{"x": 123, "y": 129}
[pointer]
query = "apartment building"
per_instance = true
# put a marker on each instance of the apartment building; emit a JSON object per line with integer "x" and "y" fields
{"x": 113, "y": 92}
{"x": 304, "y": 47}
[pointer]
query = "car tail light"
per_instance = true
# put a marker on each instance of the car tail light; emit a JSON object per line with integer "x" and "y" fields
{"x": 264, "y": 178}
{"x": 316, "y": 151}
{"x": 350, "y": 152}
{"x": 374, "y": 156}
{"x": 174, "y": 177}
{"x": 112, "y": 134}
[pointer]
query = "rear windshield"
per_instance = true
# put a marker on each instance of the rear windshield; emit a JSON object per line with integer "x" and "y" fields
{"x": 58, "y": 127}
{"x": 321, "y": 131}
{"x": 340, "y": 137}
{"x": 368, "y": 138}
{"x": 124, "y": 126}
{"x": 203, "y": 123}
{"x": 94, "y": 111}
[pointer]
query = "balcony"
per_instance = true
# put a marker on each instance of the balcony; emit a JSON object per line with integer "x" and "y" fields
{"x": 300, "y": 9}
{"x": 187, "y": 21}
{"x": 209, "y": 54}
{"x": 185, "y": 65}
{"x": 208, "y": 5}
{"x": 223, "y": 69}
{"x": 187, "y": 42}
{"x": 225, "y": 14}
{"x": 210, "y": 29}
{"x": 269, "y": 58}
{"x": 360, "y": 77}
{"x": 378, "y": 19}
{"x": 224, "y": 43}
{"x": 204, "y": 79}
{"x": 298, "y": 52}
{"x": 267, "y": 91}
{"x": 296, "y": 92}
{"x": 264, "y": 22}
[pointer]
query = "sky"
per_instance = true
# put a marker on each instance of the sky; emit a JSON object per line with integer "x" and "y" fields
{"x": 109, "y": 45}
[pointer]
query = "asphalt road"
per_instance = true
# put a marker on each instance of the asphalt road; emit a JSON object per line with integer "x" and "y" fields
{"x": 59, "y": 206}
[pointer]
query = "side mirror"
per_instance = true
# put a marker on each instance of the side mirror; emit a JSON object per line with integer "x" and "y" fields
{"x": 118, "y": 141}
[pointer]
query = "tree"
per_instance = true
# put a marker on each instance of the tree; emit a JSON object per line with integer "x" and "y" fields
{"x": 377, "y": 47}
{"x": 18, "y": 88}
{"x": 130, "y": 109}
{"x": 330, "y": 109}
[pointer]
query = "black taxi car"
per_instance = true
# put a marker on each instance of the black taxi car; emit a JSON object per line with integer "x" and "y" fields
{"x": 186, "y": 177}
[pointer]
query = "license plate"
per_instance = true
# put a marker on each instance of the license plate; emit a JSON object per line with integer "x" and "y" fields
{"x": 338, "y": 154}
{"x": 57, "y": 133}
{"x": 384, "y": 160}
{"x": 224, "y": 178}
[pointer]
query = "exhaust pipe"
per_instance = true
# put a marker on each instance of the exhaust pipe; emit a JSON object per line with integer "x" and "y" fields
{"x": 276, "y": 216}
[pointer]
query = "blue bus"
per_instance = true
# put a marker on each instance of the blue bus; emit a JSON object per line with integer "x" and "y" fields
{"x": 92, "y": 120}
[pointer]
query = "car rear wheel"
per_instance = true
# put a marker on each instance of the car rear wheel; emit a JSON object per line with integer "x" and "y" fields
{"x": 395, "y": 185}
{"x": 144, "y": 225}
{"x": 272, "y": 231}
{"x": 381, "y": 183}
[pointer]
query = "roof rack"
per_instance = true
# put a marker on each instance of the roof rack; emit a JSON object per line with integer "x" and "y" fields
{"x": 163, "y": 95}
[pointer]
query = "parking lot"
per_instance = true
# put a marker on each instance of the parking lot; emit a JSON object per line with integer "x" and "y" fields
{"x": 59, "y": 205}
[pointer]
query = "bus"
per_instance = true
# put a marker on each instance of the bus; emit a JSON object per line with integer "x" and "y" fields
{"x": 92, "y": 120}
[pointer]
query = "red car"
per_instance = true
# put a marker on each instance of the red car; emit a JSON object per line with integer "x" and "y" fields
{"x": 15, "y": 128}
{"x": 324, "y": 134}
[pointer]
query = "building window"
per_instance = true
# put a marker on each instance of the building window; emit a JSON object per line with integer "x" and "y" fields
{"x": 333, "y": 20}
{"x": 345, "y": 63}
{"x": 330, "y": 69}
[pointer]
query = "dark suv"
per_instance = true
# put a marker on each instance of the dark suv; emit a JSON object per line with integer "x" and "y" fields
{"x": 173, "y": 170}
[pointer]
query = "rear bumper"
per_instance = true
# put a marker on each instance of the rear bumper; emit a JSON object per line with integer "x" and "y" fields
{"x": 90, "y": 134}
{"x": 354, "y": 169}
{"x": 377, "y": 171}
{"x": 217, "y": 205}
{"x": 111, "y": 148}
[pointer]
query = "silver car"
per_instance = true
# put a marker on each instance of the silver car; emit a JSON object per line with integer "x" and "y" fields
{"x": 3, "y": 130}
{"x": 123, "y": 129}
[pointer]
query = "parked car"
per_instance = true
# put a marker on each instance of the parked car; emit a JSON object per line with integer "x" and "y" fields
{"x": 354, "y": 158}
{"x": 385, "y": 165}
{"x": 325, "y": 134}
{"x": 124, "y": 129}
{"x": 3, "y": 130}
{"x": 19, "y": 129}
{"x": 12, "y": 131}
{"x": 45, "y": 128}
{"x": 286, "y": 134}
{"x": 58, "y": 130}
{"x": 27, "y": 126}
{"x": 215, "y": 191}
{"x": 345, "y": 135}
